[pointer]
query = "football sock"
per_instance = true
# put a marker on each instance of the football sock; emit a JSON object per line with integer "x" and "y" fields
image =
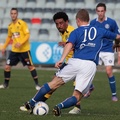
{"x": 91, "y": 86}
{"x": 112, "y": 85}
{"x": 34, "y": 75}
{"x": 7, "y": 77}
{"x": 38, "y": 97}
{"x": 6, "y": 83}
{"x": 69, "y": 102}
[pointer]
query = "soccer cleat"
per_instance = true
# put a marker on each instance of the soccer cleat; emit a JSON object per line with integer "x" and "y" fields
{"x": 3, "y": 86}
{"x": 114, "y": 98}
{"x": 37, "y": 87}
{"x": 89, "y": 92}
{"x": 56, "y": 111}
{"x": 23, "y": 108}
{"x": 75, "y": 110}
{"x": 27, "y": 107}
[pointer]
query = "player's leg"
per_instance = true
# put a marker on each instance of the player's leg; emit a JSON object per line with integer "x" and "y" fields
{"x": 89, "y": 92}
{"x": 48, "y": 95}
{"x": 83, "y": 82}
{"x": 109, "y": 62}
{"x": 7, "y": 74}
{"x": 60, "y": 79}
{"x": 46, "y": 88}
{"x": 12, "y": 60}
{"x": 69, "y": 102}
{"x": 27, "y": 60}
{"x": 77, "y": 107}
{"x": 34, "y": 76}
{"x": 112, "y": 82}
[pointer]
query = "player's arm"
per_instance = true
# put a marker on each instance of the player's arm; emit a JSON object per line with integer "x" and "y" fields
{"x": 7, "y": 41}
{"x": 62, "y": 44}
{"x": 116, "y": 45}
{"x": 117, "y": 48}
{"x": 26, "y": 32}
{"x": 66, "y": 50}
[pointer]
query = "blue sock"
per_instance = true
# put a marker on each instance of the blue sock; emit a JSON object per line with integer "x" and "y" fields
{"x": 91, "y": 86}
{"x": 112, "y": 85}
{"x": 69, "y": 102}
{"x": 38, "y": 97}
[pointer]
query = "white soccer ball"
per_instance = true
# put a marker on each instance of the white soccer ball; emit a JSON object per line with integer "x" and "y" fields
{"x": 41, "y": 108}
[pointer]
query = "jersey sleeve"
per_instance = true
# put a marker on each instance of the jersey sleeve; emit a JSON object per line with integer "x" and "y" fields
{"x": 108, "y": 34}
{"x": 9, "y": 32}
{"x": 25, "y": 28}
{"x": 115, "y": 27}
{"x": 72, "y": 37}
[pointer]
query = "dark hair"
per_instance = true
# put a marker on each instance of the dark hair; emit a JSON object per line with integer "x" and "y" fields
{"x": 83, "y": 15}
{"x": 14, "y": 9}
{"x": 60, "y": 15}
{"x": 101, "y": 5}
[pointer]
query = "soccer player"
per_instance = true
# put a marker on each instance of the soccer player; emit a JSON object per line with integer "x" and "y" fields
{"x": 107, "y": 53}
{"x": 18, "y": 31}
{"x": 87, "y": 41}
{"x": 62, "y": 24}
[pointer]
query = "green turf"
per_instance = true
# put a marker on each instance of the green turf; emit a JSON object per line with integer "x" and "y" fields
{"x": 97, "y": 107}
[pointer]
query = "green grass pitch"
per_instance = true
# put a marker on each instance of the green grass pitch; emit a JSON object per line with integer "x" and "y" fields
{"x": 97, "y": 107}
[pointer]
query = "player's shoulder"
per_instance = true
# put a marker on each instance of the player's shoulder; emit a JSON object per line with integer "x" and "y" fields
{"x": 93, "y": 21}
{"x": 110, "y": 19}
{"x": 70, "y": 28}
{"x": 10, "y": 24}
{"x": 20, "y": 21}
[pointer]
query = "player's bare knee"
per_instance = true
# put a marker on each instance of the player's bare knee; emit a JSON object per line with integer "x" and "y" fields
{"x": 31, "y": 67}
{"x": 7, "y": 68}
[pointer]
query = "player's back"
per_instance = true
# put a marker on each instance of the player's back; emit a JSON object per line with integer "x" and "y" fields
{"x": 88, "y": 41}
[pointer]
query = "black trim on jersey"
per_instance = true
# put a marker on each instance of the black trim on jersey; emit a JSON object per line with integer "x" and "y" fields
{"x": 67, "y": 31}
{"x": 19, "y": 23}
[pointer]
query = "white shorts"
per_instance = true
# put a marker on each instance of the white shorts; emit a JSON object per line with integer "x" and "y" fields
{"x": 82, "y": 71}
{"x": 107, "y": 58}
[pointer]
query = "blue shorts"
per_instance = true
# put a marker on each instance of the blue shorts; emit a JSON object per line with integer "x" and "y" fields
{"x": 23, "y": 57}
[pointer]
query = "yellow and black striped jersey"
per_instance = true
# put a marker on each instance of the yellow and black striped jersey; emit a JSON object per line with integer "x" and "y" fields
{"x": 64, "y": 39}
{"x": 17, "y": 32}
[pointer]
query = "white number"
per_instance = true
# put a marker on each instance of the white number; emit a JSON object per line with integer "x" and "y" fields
{"x": 89, "y": 34}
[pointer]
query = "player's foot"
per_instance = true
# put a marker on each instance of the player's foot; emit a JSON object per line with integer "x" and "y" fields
{"x": 75, "y": 110}
{"x": 89, "y": 92}
{"x": 37, "y": 87}
{"x": 56, "y": 111}
{"x": 114, "y": 98}
{"x": 3, "y": 86}
{"x": 27, "y": 107}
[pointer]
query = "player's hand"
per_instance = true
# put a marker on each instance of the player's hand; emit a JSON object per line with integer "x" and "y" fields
{"x": 17, "y": 45}
{"x": 116, "y": 47}
{"x": 58, "y": 64}
{"x": 118, "y": 58}
{"x": 3, "y": 51}
{"x": 62, "y": 44}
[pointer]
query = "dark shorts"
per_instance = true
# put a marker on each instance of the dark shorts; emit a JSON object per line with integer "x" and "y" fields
{"x": 15, "y": 57}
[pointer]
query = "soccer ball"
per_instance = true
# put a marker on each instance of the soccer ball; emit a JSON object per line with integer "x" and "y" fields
{"x": 41, "y": 108}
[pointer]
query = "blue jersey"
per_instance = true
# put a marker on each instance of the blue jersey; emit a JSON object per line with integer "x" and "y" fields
{"x": 88, "y": 41}
{"x": 108, "y": 24}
